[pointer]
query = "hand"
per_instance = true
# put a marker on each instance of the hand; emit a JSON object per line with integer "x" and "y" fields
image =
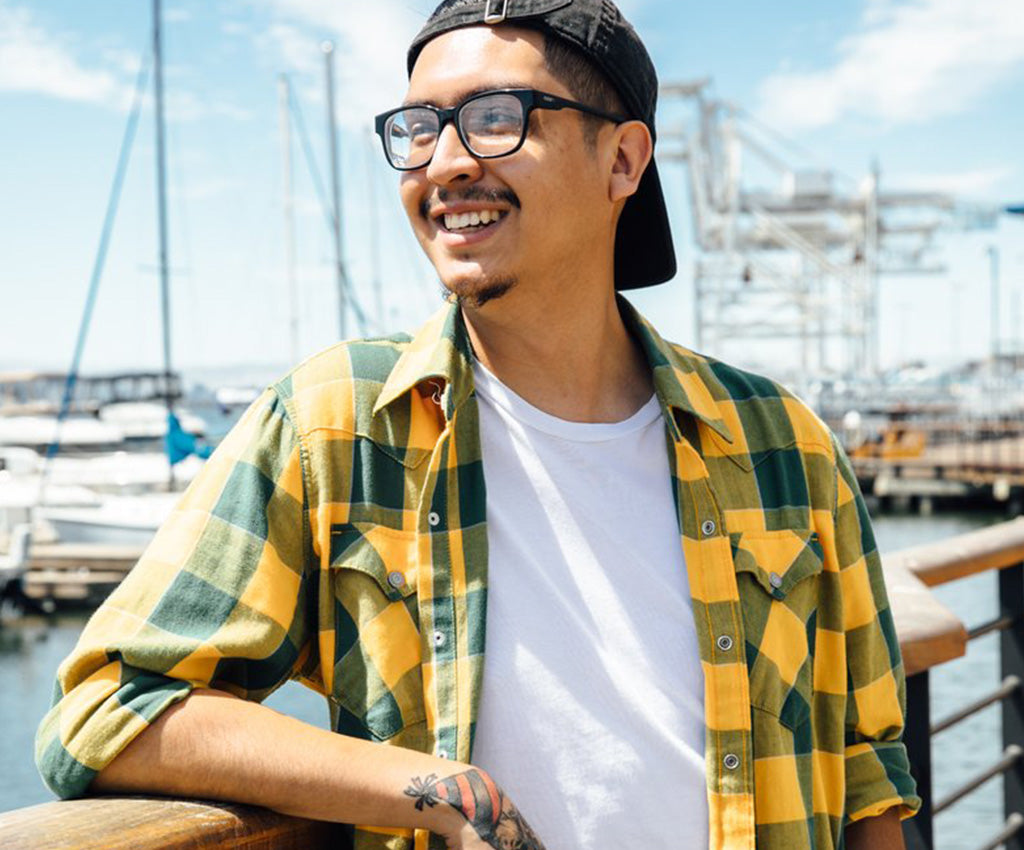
{"x": 476, "y": 813}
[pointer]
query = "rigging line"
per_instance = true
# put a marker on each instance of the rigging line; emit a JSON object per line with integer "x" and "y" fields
{"x": 98, "y": 265}
{"x": 325, "y": 205}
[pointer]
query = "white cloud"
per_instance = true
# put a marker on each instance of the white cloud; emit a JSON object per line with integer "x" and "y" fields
{"x": 974, "y": 183}
{"x": 909, "y": 61}
{"x": 177, "y": 15}
{"x": 35, "y": 61}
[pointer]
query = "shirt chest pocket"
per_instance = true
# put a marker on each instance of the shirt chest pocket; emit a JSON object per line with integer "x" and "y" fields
{"x": 378, "y": 680}
{"x": 778, "y": 575}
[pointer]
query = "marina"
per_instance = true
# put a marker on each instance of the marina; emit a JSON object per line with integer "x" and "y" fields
{"x": 786, "y": 270}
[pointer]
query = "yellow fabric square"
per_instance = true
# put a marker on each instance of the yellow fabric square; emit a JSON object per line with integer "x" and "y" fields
{"x": 774, "y": 550}
{"x": 747, "y": 520}
{"x": 726, "y": 696}
{"x": 829, "y": 782}
{"x": 716, "y": 580}
{"x": 174, "y": 542}
{"x": 391, "y": 640}
{"x": 290, "y": 480}
{"x": 830, "y": 662}
{"x": 273, "y": 588}
{"x": 698, "y": 395}
{"x": 784, "y": 641}
{"x": 197, "y": 667}
{"x": 858, "y": 601}
{"x": 777, "y": 797}
{"x": 878, "y": 707}
{"x": 79, "y": 704}
{"x": 809, "y": 430}
{"x": 731, "y": 821}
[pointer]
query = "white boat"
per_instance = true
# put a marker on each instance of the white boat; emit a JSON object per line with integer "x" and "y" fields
{"x": 116, "y": 521}
{"x": 142, "y": 420}
{"x": 76, "y": 433}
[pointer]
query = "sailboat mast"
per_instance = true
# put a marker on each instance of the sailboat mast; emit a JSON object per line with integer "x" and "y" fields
{"x": 161, "y": 193}
{"x": 284, "y": 97}
{"x": 332, "y": 135}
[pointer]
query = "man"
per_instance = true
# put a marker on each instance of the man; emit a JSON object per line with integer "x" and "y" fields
{"x": 743, "y": 688}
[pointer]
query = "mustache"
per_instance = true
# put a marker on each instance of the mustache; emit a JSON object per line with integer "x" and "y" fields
{"x": 472, "y": 193}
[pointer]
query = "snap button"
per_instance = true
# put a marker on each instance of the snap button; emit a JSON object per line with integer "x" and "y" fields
{"x": 707, "y": 527}
{"x": 396, "y": 579}
{"x": 434, "y": 518}
{"x": 439, "y": 639}
{"x": 775, "y": 580}
{"x": 731, "y": 761}
{"x": 724, "y": 643}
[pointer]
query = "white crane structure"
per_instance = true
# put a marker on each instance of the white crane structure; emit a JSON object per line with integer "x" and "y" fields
{"x": 790, "y": 250}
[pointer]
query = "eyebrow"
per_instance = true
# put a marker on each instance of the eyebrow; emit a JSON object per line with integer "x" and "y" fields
{"x": 493, "y": 86}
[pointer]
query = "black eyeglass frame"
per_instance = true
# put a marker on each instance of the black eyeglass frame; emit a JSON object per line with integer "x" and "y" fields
{"x": 529, "y": 98}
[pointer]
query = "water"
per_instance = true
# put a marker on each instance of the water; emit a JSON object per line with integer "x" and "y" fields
{"x": 31, "y": 650}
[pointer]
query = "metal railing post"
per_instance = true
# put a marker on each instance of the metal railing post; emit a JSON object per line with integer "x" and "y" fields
{"x": 917, "y": 831}
{"x": 1011, "y": 604}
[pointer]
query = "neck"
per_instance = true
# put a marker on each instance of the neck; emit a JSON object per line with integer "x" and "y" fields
{"x": 570, "y": 356}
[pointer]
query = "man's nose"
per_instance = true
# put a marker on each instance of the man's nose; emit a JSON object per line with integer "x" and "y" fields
{"x": 451, "y": 161}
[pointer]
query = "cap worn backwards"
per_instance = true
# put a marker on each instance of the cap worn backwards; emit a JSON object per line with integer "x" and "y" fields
{"x": 644, "y": 253}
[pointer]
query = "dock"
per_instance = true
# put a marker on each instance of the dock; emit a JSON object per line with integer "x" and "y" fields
{"x": 69, "y": 575}
{"x": 980, "y": 472}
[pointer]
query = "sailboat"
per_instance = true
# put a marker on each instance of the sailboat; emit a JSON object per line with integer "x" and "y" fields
{"x": 117, "y": 518}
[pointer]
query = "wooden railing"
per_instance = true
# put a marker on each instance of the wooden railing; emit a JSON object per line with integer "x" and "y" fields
{"x": 152, "y": 823}
{"x": 929, "y": 635}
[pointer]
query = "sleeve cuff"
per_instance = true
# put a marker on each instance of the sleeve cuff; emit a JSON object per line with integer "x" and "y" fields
{"x": 877, "y": 779}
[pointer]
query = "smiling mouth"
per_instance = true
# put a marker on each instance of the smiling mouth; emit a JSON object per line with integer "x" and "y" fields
{"x": 470, "y": 222}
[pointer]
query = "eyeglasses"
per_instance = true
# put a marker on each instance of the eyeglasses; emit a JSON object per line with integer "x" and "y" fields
{"x": 490, "y": 124}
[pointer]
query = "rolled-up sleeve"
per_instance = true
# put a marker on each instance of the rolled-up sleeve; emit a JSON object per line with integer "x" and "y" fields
{"x": 220, "y": 598}
{"x": 876, "y": 766}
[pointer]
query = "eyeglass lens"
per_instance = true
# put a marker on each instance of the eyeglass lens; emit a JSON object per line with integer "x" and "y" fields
{"x": 491, "y": 125}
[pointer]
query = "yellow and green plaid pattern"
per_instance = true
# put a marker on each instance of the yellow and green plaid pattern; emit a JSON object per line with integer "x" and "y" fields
{"x": 337, "y": 536}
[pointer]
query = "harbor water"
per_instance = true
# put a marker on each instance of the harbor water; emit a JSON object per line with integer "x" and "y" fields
{"x": 31, "y": 649}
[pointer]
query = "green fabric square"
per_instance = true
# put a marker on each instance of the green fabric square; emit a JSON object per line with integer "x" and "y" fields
{"x": 192, "y": 608}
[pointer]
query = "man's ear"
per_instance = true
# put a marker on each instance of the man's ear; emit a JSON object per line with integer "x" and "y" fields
{"x": 633, "y": 152}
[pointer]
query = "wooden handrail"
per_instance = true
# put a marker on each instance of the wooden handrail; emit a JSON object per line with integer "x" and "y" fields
{"x": 929, "y": 634}
{"x": 156, "y": 823}
{"x": 992, "y": 548}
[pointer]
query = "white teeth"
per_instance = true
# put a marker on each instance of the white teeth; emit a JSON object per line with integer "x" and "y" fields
{"x": 470, "y": 219}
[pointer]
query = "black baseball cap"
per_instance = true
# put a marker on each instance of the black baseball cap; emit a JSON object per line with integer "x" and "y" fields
{"x": 644, "y": 254}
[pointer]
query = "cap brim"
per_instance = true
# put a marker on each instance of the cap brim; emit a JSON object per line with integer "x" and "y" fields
{"x": 644, "y": 253}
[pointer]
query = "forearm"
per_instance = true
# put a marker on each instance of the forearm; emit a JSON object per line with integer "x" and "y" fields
{"x": 879, "y": 833}
{"x": 216, "y": 746}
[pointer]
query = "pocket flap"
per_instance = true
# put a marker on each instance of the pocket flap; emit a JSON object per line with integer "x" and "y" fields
{"x": 777, "y": 560}
{"x": 388, "y": 555}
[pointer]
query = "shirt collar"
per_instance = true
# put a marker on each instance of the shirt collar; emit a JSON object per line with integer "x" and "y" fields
{"x": 441, "y": 357}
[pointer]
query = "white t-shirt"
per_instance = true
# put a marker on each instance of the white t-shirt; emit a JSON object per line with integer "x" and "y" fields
{"x": 592, "y": 714}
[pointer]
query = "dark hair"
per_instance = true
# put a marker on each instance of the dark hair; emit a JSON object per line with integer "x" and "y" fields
{"x": 587, "y": 83}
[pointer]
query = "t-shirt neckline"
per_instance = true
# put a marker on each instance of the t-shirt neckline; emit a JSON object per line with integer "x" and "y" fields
{"x": 493, "y": 390}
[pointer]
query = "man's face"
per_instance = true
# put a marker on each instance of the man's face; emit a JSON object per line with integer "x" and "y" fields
{"x": 549, "y": 198}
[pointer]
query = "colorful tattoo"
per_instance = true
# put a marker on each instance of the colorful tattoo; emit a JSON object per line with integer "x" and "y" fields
{"x": 475, "y": 796}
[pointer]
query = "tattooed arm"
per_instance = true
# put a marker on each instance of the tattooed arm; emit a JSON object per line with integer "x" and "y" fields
{"x": 216, "y": 746}
{"x": 490, "y": 817}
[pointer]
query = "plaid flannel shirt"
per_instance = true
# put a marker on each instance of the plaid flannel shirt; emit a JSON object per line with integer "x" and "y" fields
{"x": 337, "y": 536}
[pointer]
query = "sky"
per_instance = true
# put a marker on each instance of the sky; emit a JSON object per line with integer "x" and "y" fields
{"x": 930, "y": 89}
